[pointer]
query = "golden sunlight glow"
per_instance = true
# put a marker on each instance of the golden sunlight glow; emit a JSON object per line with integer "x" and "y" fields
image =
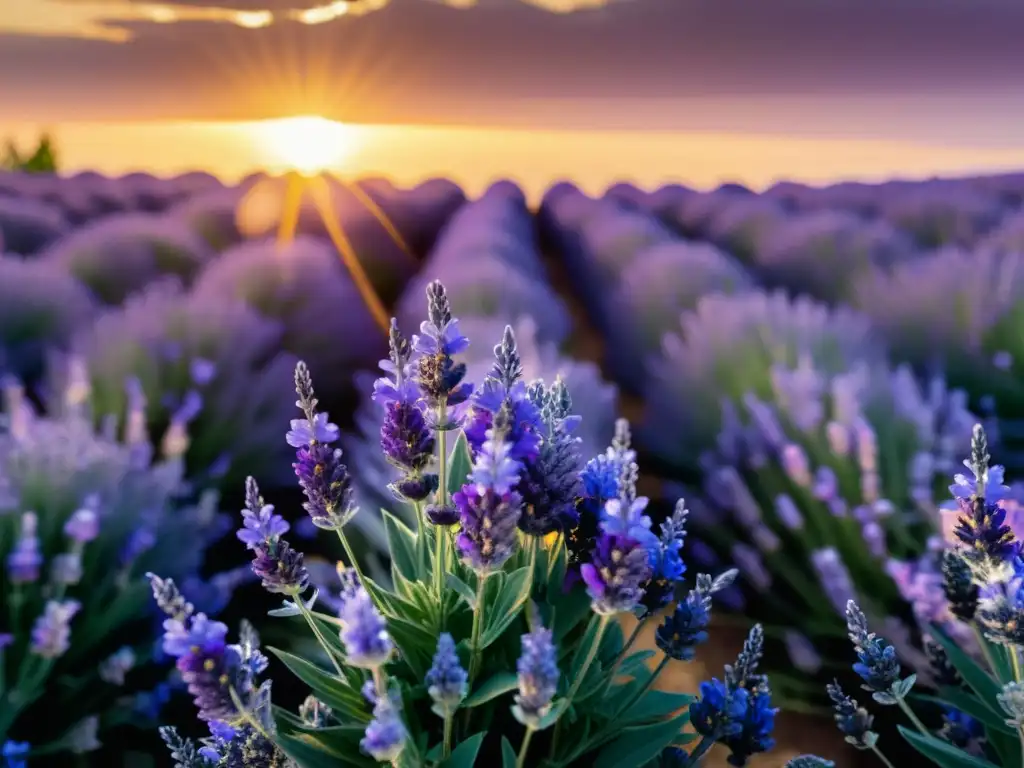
{"x": 253, "y": 19}
{"x": 308, "y": 144}
{"x": 321, "y": 14}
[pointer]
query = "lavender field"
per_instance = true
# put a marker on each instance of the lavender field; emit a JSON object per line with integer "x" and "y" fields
{"x": 804, "y": 366}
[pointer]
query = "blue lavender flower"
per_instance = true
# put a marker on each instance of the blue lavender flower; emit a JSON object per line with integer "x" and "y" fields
{"x": 386, "y": 734}
{"x": 365, "y": 635}
{"x": 962, "y": 731}
{"x": 15, "y": 754}
{"x": 718, "y": 710}
{"x": 618, "y": 567}
{"x": 51, "y": 635}
{"x": 275, "y": 562}
{"x": 686, "y": 627}
{"x": 489, "y": 509}
{"x": 446, "y": 680}
{"x": 439, "y": 376}
{"x": 958, "y": 586}
{"x": 853, "y": 721}
{"x": 877, "y": 663}
{"x": 538, "y": 674}
{"x": 756, "y": 727}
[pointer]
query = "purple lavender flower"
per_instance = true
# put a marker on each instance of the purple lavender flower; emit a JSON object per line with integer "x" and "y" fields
{"x": 489, "y": 509}
{"x": 6, "y": 640}
{"x": 446, "y": 679}
{"x": 305, "y": 432}
{"x": 365, "y": 634}
{"x": 834, "y": 577}
{"x": 278, "y": 565}
{"x": 51, "y": 635}
{"x": 550, "y": 484}
{"x": 66, "y": 568}
{"x": 440, "y": 378}
{"x": 538, "y": 675}
{"x": 115, "y": 667}
{"x": 83, "y": 526}
{"x": 686, "y": 627}
{"x": 261, "y": 525}
{"x": 618, "y": 567}
{"x": 386, "y": 734}
{"x": 208, "y": 665}
{"x": 25, "y": 559}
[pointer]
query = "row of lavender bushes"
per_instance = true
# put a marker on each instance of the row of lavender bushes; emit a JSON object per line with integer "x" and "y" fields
{"x": 811, "y": 362}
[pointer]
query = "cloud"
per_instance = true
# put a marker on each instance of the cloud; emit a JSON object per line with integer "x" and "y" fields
{"x": 512, "y": 60}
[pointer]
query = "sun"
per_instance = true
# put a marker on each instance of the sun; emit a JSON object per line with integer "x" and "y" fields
{"x": 309, "y": 144}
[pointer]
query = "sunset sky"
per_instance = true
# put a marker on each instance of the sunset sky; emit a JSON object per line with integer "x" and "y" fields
{"x": 940, "y": 74}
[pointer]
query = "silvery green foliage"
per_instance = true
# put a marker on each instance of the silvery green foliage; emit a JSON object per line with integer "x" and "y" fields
{"x": 823, "y": 253}
{"x": 828, "y": 488}
{"x": 594, "y": 399}
{"x": 184, "y": 351}
{"x": 83, "y": 516}
{"x": 119, "y": 255}
{"x": 41, "y": 308}
{"x": 304, "y": 286}
{"x": 666, "y": 280}
{"x": 727, "y": 347}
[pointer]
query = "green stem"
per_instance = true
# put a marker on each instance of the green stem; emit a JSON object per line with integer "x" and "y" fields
{"x": 351, "y": 557}
{"x": 1014, "y": 661}
{"x": 912, "y": 717}
{"x": 439, "y": 569}
{"x": 521, "y": 760}
{"x": 644, "y": 688}
{"x": 448, "y": 720}
{"x": 567, "y": 702}
{"x": 478, "y": 623}
{"x": 440, "y": 566}
{"x": 883, "y": 758}
{"x": 308, "y": 616}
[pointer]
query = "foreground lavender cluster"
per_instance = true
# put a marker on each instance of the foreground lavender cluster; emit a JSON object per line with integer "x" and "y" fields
{"x": 976, "y": 716}
{"x": 497, "y": 639}
{"x": 83, "y": 517}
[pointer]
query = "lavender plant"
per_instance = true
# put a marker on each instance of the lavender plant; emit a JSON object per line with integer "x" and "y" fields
{"x": 498, "y": 640}
{"x": 829, "y": 486}
{"x": 973, "y": 716}
{"x": 42, "y": 308}
{"x": 119, "y": 255}
{"x": 593, "y": 399}
{"x": 210, "y": 364}
{"x": 83, "y": 516}
{"x": 959, "y": 312}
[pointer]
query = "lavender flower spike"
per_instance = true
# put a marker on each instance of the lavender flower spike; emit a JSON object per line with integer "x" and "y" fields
{"x": 278, "y": 565}
{"x": 446, "y": 680}
{"x": 538, "y": 675}
{"x": 489, "y": 509}
{"x": 619, "y": 566}
{"x": 365, "y": 634}
{"x": 386, "y": 734}
{"x": 25, "y": 559}
{"x": 51, "y": 636}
